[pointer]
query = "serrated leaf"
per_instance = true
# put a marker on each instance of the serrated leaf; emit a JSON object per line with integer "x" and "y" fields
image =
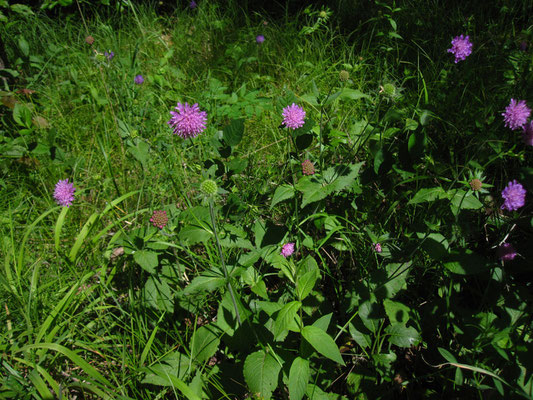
{"x": 465, "y": 201}
{"x": 402, "y": 336}
{"x": 204, "y": 343}
{"x": 261, "y": 371}
{"x": 283, "y": 192}
{"x": 147, "y": 260}
{"x": 312, "y": 190}
{"x": 428, "y": 194}
{"x": 298, "y": 378}
{"x": 286, "y": 319}
{"x": 322, "y": 343}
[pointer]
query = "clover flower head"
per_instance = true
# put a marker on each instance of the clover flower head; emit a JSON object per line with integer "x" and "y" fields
{"x": 139, "y": 79}
{"x": 64, "y": 193}
{"x": 516, "y": 114}
{"x": 259, "y": 39}
{"x": 514, "y": 196}
{"x": 287, "y": 249}
{"x": 293, "y": 116}
{"x": 461, "y": 47}
{"x": 159, "y": 219}
{"x": 527, "y": 135}
{"x": 188, "y": 121}
{"x": 506, "y": 252}
{"x": 308, "y": 168}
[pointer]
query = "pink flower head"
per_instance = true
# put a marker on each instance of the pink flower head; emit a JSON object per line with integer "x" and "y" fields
{"x": 516, "y": 114}
{"x": 506, "y": 252}
{"x": 514, "y": 196}
{"x": 287, "y": 249}
{"x": 527, "y": 135}
{"x": 159, "y": 219}
{"x": 308, "y": 168}
{"x": 193, "y": 5}
{"x": 461, "y": 47}
{"x": 293, "y": 116}
{"x": 139, "y": 80}
{"x": 377, "y": 247}
{"x": 259, "y": 39}
{"x": 64, "y": 193}
{"x": 188, "y": 121}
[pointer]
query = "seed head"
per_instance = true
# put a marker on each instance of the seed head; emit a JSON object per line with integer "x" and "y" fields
{"x": 344, "y": 75}
{"x": 209, "y": 187}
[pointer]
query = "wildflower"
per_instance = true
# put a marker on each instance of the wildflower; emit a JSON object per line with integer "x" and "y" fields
{"x": 293, "y": 116}
{"x": 461, "y": 47}
{"x": 476, "y": 184}
{"x": 139, "y": 79}
{"x": 109, "y": 55}
{"x": 506, "y": 252}
{"x": 527, "y": 135}
{"x": 259, "y": 39}
{"x": 209, "y": 187}
{"x": 377, "y": 247}
{"x": 308, "y": 168}
{"x": 344, "y": 75}
{"x": 287, "y": 249}
{"x": 516, "y": 114}
{"x": 89, "y": 40}
{"x": 193, "y": 5}
{"x": 514, "y": 195}
{"x": 189, "y": 121}
{"x": 64, "y": 193}
{"x": 159, "y": 219}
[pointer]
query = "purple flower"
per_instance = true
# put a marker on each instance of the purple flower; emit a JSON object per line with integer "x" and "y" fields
{"x": 516, "y": 114}
{"x": 527, "y": 135}
{"x": 159, "y": 219}
{"x": 293, "y": 116}
{"x": 109, "y": 55}
{"x": 64, "y": 193}
{"x": 139, "y": 79}
{"x": 193, "y": 5}
{"x": 308, "y": 168}
{"x": 377, "y": 247}
{"x": 461, "y": 47}
{"x": 188, "y": 121}
{"x": 259, "y": 39}
{"x": 506, "y": 252}
{"x": 514, "y": 195}
{"x": 287, "y": 249}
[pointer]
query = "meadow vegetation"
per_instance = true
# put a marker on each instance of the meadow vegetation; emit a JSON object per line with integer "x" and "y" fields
{"x": 337, "y": 207}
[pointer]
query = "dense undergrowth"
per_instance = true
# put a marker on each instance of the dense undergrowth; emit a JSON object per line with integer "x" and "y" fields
{"x": 368, "y": 249}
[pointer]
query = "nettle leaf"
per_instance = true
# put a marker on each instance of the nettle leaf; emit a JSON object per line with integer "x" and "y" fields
{"x": 261, "y": 371}
{"x": 286, "y": 320}
{"x": 147, "y": 260}
{"x": 402, "y": 336}
{"x": 322, "y": 343}
{"x": 428, "y": 194}
{"x": 283, "y": 192}
{"x": 465, "y": 262}
{"x": 204, "y": 343}
{"x": 299, "y": 375}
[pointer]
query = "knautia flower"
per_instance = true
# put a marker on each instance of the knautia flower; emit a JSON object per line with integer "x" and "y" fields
{"x": 159, "y": 219}
{"x": 516, "y": 114}
{"x": 139, "y": 79}
{"x": 377, "y": 247}
{"x": 476, "y": 184}
{"x": 89, "y": 39}
{"x": 293, "y": 116}
{"x": 64, "y": 193}
{"x": 287, "y": 249}
{"x": 193, "y": 5}
{"x": 109, "y": 55}
{"x": 259, "y": 39}
{"x": 461, "y": 47}
{"x": 514, "y": 196}
{"x": 188, "y": 121}
{"x": 506, "y": 252}
{"x": 308, "y": 168}
{"x": 527, "y": 135}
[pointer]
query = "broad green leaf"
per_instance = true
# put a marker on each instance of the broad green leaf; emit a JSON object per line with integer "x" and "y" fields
{"x": 362, "y": 339}
{"x": 22, "y": 115}
{"x": 340, "y": 177}
{"x": 158, "y": 294}
{"x": 435, "y": 245}
{"x": 402, "y": 336}
{"x": 298, "y": 378}
{"x": 204, "y": 343}
{"x": 463, "y": 200}
{"x": 306, "y": 283}
{"x": 24, "y": 46}
{"x": 312, "y": 190}
{"x": 352, "y": 94}
{"x": 428, "y": 194}
{"x": 165, "y": 375}
{"x": 465, "y": 262}
{"x": 233, "y": 132}
{"x": 283, "y": 192}
{"x": 397, "y": 274}
{"x": 371, "y": 315}
{"x": 286, "y": 319}
{"x": 261, "y": 371}
{"x": 322, "y": 343}
{"x": 147, "y": 260}
{"x": 194, "y": 234}
{"x": 397, "y": 312}
{"x": 208, "y": 281}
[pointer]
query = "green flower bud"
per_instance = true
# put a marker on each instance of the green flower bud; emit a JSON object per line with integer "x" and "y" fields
{"x": 209, "y": 187}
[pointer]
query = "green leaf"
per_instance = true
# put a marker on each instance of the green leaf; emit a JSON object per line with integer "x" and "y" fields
{"x": 194, "y": 234}
{"x": 208, "y": 281}
{"x": 396, "y": 276}
{"x": 398, "y": 313}
{"x": 428, "y": 194}
{"x": 24, "y": 46}
{"x": 322, "y": 343}
{"x": 353, "y": 94}
{"x": 447, "y": 355}
{"x": 362, "y": 339}
{"x": 298, "y": 378}
{"x": 371, "y": 315}
{"x": 261, "y": 371}
{"x": 312, "y": 190}
{"x": 435, "y": 245}
{"x": 463, "y": 200}
{"x": 140, "y": 151}
{"x": 204, "y": 343}
{"x": 147, "y": 260}
{"x": 286, "y": 319}
{"x": 158, "y": 294}
{"x": 341, "y": 176}
{"x": 306, "y": 283}
{"x": 22, "y": 115}
{"x": 233, "y": 132}
{"x": 465, "y": 262}
{"x": 283, "y": 192}
{"x": 402, "y": 336}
